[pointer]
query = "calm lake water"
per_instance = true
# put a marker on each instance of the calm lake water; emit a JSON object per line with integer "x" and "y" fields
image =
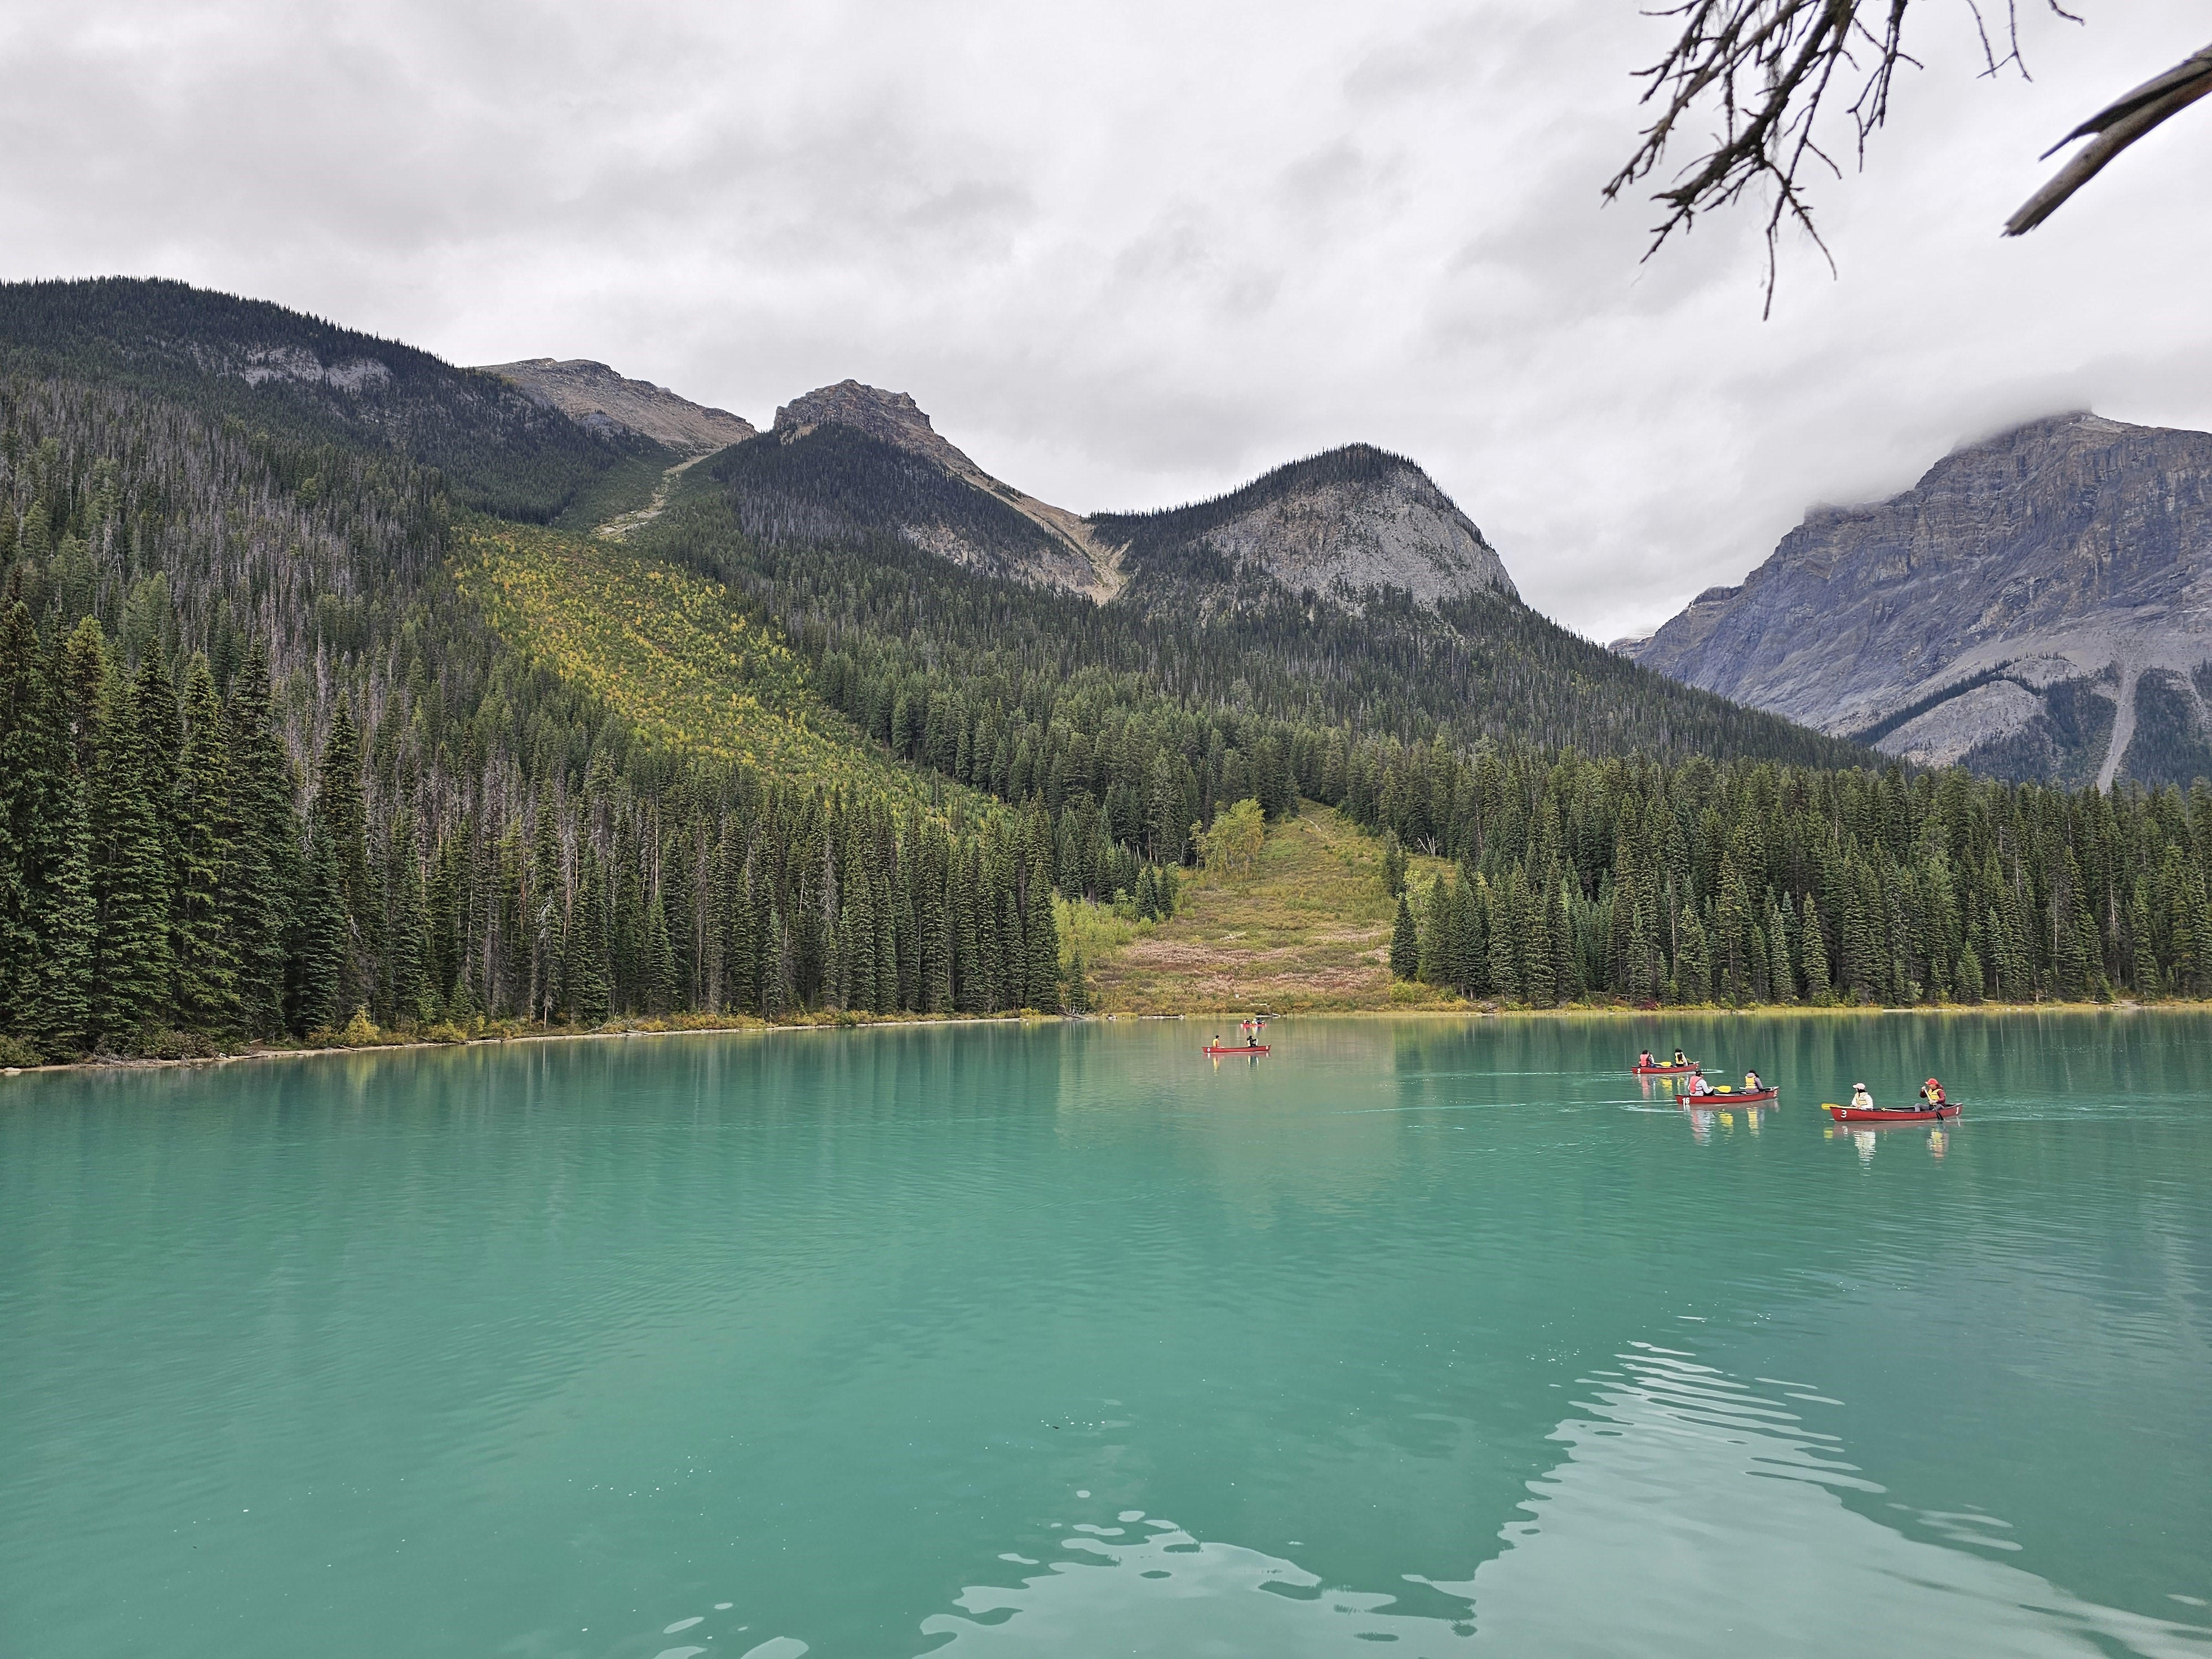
{"x": 1065, "y": 1341}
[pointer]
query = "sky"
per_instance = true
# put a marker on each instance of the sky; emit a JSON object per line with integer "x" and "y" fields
{"x": 1129, "y": 255}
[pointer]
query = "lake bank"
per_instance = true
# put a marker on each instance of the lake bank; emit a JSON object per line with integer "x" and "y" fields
{"x": 1434, "y": 1012}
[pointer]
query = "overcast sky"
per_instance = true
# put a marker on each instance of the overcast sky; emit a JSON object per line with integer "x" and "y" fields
{"x": 1130, "y": 254}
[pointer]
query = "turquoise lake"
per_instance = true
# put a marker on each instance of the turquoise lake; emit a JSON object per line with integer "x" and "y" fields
{"x": 1430, "y": 1337}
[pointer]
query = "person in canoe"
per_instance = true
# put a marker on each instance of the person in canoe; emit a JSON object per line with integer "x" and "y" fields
{"x": 1931, "y": 1094}
{"x": 1752, "y": 1085}
{"x": 1695, "y": 1084}
{"x": 1645, "y": 1063}
{"x": 1861, "y": 1100}
{"x": 1681, "y": 1059}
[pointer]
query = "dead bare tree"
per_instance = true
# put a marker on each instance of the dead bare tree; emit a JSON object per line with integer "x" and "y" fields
{"x": 1770, "y": 67}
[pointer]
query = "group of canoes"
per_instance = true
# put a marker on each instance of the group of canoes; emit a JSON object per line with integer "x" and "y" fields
{"x": 1692, "y": 1089}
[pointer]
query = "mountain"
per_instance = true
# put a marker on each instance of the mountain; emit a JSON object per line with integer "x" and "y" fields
{"x": 2037, "y": 607}
{"x": 1345, "y": 589}
{"x": 852, "y": 460}
{"x": 1339, "y": 522}
{"x": 308, "y": 381}
{"x": 595, "y": 398}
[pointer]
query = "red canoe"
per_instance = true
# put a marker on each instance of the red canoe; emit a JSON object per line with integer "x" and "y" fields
{"x": 1664, "y": 1071}
{"x": 1905, "y": 1115}
{"x": 1733, "y": 1098}
{"x": 1256, "y": 1049}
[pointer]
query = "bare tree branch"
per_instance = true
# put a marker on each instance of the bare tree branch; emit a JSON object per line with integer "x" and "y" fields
{"x": 2117, "y": 126}
{"x": 1770, "y": 67}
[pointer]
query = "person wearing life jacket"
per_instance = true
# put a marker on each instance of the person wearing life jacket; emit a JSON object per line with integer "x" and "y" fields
{"x": 1681, "y": 1059}
{"x": 1931, "y": 1092}
{"x": 1861, "y": 1100}
{"x": 1645, "y": 1063}
{"x": 1697, "y": 1085}
{"x": 1752, "y": 1085}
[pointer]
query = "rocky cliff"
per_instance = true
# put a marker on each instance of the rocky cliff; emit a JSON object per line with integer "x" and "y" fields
{"x": 595, "y": 397}
{"x": 2040, "y": 604}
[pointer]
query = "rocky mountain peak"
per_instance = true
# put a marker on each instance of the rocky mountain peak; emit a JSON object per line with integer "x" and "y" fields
{"x": 595, "y": 396}
{"x": 2012, "y": 610}
{"x": 1353, "y": 519}
{"x": 891, "y": 417}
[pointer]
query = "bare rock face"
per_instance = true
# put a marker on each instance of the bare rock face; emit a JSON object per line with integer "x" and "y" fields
{"x": 594, "y": 396}
{"x": 2007, "y": 612}
{"x": 893, "y": 417}
{"x": 1344, "y": 521}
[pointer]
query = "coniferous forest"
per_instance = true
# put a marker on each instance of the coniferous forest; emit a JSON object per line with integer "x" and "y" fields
{"x": 267, "y": 774}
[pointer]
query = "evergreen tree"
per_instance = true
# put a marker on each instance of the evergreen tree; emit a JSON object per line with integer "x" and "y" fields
{"x": 1814, "y": 951}
{"x": 206, "y": 830}
{"x": 588, "y": 973}
{"x": 262, "y": 878}
{"x": 407, "y": 996}
{"x": 1041, "y": 931}
{"x": 1692, "y": 960}
{"x": 318, "y": 944}
{"x": 1404, "y": 942}
{"x": 661, "y": 991}
{"x": 344, "y": 818}
{"x": 131, "y": 877}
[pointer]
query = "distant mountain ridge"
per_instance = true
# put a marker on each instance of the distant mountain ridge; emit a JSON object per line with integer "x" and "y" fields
{"x": 597, "y": 398}
{"x": 2038, "y": 606}
{"x": 503, "y": 452}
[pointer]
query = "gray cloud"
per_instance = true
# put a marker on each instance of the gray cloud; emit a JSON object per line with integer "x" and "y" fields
{"x": 1131, "y": 254}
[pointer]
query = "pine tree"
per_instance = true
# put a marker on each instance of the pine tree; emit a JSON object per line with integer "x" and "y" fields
{"x": 588, "y": 974}
{"x": 661, "y": 991}
{"x": 206, "y": 828}
{"x": 263, "y": 876}
{"x": 131, "y": 879}
{"x": 1692, "y": 960}
{"x": 319, "y": 944}
{"x": 1040, "y": 929}
{"x": 859, "y": 945}
{"x": 1781, "y": 981}
{"x": 407, "y": 995}
{"x": 1404, "y": 942}
{"x": 548, "y": 916}
{"x": 1539, "y": 976}
{"x": 344, "y": 818}
{"x": 1505, "y": 938}
{"x": 1079, "y": 984}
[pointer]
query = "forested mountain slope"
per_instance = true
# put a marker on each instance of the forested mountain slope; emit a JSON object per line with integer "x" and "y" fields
{"x": 817, "y": 524}
{"x": 291, "y": 738}
{"x": 309, "y": 381}
{"x": 2038, "y": 606}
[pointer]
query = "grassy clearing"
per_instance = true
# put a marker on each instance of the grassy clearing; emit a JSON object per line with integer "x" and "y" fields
{"x": 670, "y": 653}
{"x": 1308, "y": 929}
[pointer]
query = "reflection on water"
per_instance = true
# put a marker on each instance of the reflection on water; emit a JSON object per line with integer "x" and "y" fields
{"x": 1693, "y": 1513}
{"x": 1058, "y": 1339}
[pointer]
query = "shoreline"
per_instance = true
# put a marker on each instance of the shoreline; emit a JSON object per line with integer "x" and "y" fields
{"x": 746, "y": 1024}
